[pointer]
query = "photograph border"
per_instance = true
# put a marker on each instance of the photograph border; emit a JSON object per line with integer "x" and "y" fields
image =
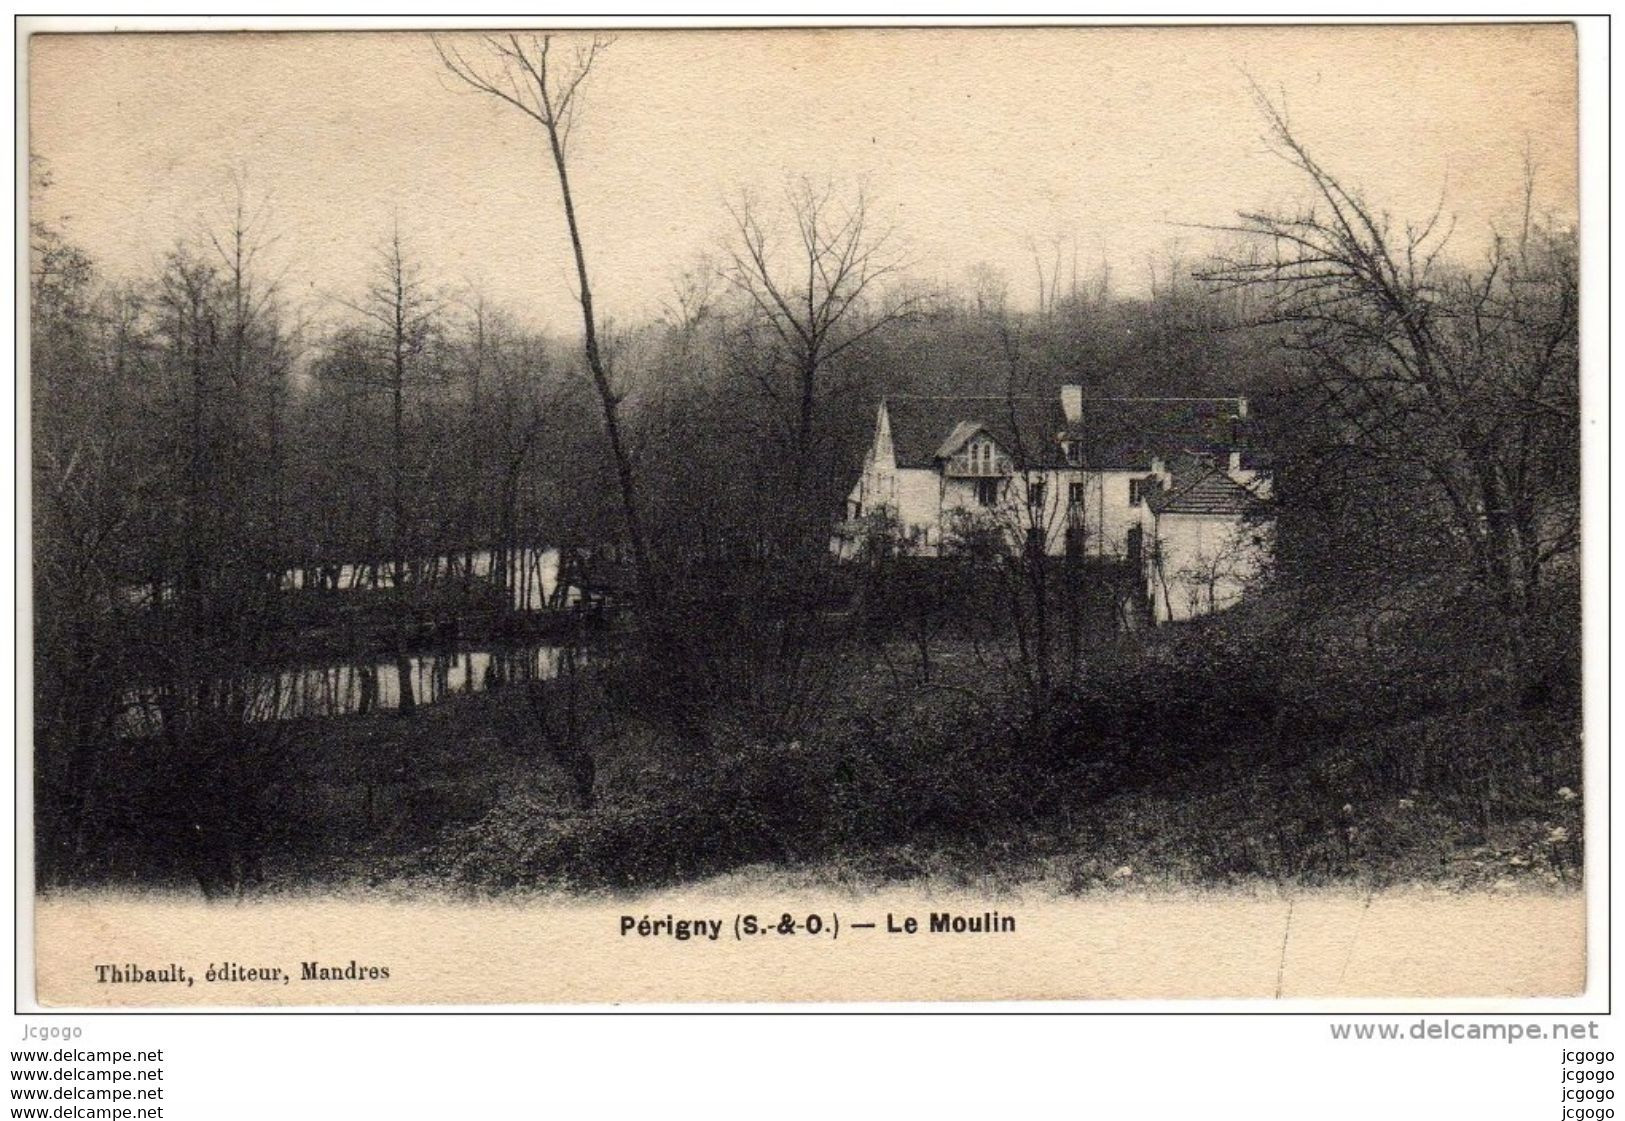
{"x": 1596, "y": 703}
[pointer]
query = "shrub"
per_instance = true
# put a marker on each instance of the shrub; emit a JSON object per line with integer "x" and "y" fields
{"x": 1205, "y": 750}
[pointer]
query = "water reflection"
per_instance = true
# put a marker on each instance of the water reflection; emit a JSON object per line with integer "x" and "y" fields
{"x": 532, "y": 576}
{"x": 373, "y": 685}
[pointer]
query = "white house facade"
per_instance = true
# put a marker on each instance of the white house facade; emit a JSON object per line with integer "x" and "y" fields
{"x": 1206, "y": 539}
{"x": 1164, "y": 484}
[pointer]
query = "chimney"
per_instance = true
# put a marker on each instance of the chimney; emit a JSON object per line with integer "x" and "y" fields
{"x": 1072, "y": 403}
{"x": 1235, "y": 463}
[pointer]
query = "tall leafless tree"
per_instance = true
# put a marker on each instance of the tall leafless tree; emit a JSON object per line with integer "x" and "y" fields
{"x": 1463, "y": 379}
{"x": 819, "y": 281}
{"x": 402, "y": 314}
{"x": 525, "y": 72}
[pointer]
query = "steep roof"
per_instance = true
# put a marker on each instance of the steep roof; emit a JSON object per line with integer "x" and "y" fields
{"x": 958, "y": 438}
{"x": 1113, "y": 433}
{"x": 1209, "y": 491}
{"x": 1127, "y": 432}
{"x": 922, "y": 426}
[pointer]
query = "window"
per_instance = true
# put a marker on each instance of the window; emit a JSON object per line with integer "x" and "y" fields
{"x": 987, "y": 491}
{"x": 1074, "y": 494}
{"x": 1035, "y": 495}
{"x": 1072, "y": 451}
{"x": 984, "y": 458}
{"x": 1136, "y": 491}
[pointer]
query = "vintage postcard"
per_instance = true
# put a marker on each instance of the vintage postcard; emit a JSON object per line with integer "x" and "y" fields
{"x": 782, "y": 514}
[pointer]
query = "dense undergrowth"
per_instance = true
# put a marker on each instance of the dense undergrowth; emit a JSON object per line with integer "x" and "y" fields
{"x": 1277, "y": 743}
{"x": 1250, "y": 746}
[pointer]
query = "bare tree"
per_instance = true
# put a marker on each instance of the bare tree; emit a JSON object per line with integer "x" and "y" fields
{"x": 1461, "y": 384}
{"x": 1062, "y": 264}
{"x": 693, "y": 297}
{"x": 262, "y": 351}
{"x": 1031, "y": 518}
{"x": 88, "y": 475}
{"x": 1038, "y": 597}
{"x": 205, "y": 363}
{"x": 819, "y": 297}
{"x": 989, "y": 289}
{"x": 523, "y": 72}
{"x": 403, "y": 314}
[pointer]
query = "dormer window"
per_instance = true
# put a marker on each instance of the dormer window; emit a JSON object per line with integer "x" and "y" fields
{"x": 973, "y": 455}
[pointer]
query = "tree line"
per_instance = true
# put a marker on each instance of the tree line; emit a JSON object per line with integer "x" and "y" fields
{"x": 207, "y": 459}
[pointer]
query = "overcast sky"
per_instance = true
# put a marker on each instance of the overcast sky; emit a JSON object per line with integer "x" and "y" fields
{"x": 972, "y": 142}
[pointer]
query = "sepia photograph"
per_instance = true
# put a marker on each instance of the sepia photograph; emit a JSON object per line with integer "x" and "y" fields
{"x": 803, "y": 514}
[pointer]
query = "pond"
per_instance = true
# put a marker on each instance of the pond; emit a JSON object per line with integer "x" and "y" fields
{"x": 532, "y": 576}
{"x": 375, "y": 684}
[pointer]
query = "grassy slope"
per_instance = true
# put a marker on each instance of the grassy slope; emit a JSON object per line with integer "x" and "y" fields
{"x": 1212, "y": 755}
